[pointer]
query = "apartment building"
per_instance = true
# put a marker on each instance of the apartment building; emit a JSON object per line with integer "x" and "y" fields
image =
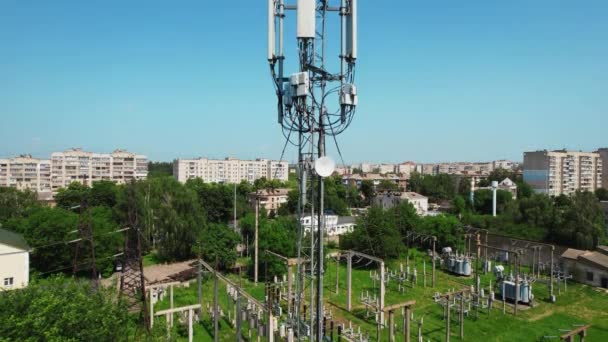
{"x": 562, "y": 172}
{"x": 229, "y": 170}
{"x": 603, "y": 152}
{"x": 406, "y": 168}
{"x": 25, "y": 172}
{"x": 76, "y": 165}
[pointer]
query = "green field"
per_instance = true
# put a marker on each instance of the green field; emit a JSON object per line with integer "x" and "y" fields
{"x": 579, "y": 305}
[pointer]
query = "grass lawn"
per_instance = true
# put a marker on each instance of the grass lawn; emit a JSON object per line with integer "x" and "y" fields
{"x": 579, "y": 305}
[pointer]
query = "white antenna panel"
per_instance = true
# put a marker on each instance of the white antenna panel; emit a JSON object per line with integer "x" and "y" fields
{"x": 306, "y": 18}
{"x": 271, "y": 30}
{"x": 351, "y": 31}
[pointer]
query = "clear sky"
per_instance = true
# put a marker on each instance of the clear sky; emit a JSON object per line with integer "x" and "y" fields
{"x": 437, "y": 80}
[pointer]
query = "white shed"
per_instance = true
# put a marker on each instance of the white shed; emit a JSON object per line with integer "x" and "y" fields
{"x": 14, "y": 261}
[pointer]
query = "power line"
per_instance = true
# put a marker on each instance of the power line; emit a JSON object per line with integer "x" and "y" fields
{"x": 82, "y": 263}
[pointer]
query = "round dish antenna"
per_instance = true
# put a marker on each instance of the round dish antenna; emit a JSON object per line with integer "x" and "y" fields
{"x": 325, "y": 166}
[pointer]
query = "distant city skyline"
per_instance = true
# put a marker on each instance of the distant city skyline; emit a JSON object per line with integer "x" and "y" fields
{"x": 473, "y": 81}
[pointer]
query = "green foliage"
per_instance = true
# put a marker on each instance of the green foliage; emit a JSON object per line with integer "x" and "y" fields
{"x": 61, "y": 309}
{"x": 602, "y": 194}
{"x": 219, "y": 241}
{"x": 15, "y": 203}
{"x": 278, "y": 235}
{"x": 367, "y": 190}
{"x": 444, "y": 227}
{"x": 387, "y": 185}
{"x": 483, "y": 200}
{"x": 160, "y": 169}
{"x": 43, "y": 227}
{"x": 438, "y": 187}
{"x": 75, "y": 194}
{"x": 375, "y": 234}
{"x": 103, "y": 193}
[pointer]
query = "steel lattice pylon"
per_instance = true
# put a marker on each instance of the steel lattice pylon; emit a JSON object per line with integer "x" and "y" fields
{"x": 132, "y": 283}
{"x": 304, "y": 106}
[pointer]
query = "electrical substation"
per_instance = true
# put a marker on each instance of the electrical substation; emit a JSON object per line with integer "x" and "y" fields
{"x": 347, "y": 295}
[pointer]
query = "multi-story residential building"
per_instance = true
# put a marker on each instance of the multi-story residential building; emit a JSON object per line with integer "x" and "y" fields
{"x": 562, "y": 172}
{"x": 25, "y": 172}
{"x": 386, "y": 168}
{"x": 406, "y": 168}
{"x": 76, "y": 165}
{"x": 229, "y": 170}
{"x": 603, "y": 152}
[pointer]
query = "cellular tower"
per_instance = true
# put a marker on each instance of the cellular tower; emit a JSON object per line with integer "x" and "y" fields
{"x": 315, "y": 101}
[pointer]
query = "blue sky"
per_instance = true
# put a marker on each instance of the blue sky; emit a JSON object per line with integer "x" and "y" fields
{"x": 437, "y": 80}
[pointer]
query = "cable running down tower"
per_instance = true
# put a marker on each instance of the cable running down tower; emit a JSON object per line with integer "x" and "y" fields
{"x": 313, "y": 103}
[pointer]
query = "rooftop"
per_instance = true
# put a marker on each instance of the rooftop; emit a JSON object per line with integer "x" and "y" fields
{"x": 13, "y": 239}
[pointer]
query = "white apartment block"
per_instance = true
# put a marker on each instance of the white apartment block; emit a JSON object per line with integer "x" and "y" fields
{"x": 25, "y": 172}
{"x": 76, "y": 165}
{"x": 229, "y": 170}
{"x": 562, "y": 172}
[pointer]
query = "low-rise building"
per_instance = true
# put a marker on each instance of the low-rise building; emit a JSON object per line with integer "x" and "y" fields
{"x": 375, "y": 178}
{"x": 390, "y": 199}
{"x": 270, "y": 199}
{"x": 587, "y": 267}
{"x": 14, "y": 261}
{"x": 334, "y": 224}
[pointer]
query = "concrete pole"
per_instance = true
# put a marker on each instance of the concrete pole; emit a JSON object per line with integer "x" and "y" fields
{"x": 199, "y": 282}
{"x": 239, "y": 317}
{"x": 494, "y": 186}
{"x": 485, "y": 254}
{"x": 516, "y": 284}
{"x": 408, "y": 315}
{"x": 551, "y": 280}
{"x": 391, "y": 326}
{"x": 382, "y": 290}
{"x": 171, "y": 304}
{"x": 337, "y": 274}
{"x": 190, "y": 332}
{"x": 433, "y": 276}
{"x": 462, "y": 316}
{"x": 447, "y": 319}
{"x": 255, "y": 241}
{"x": 216, "y": 336}
{"x": 289, "y": 288}
{"x": 151, "y": 309}
{"x": 270, "y": 327}
{"x": 349, "y": 268}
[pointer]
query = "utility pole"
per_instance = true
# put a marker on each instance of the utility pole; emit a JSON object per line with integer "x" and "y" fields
{"x": 255, "y": 242}
{"x": 235, "y": 227}
{"x": 216, "y": 335}
{"x": 199, "y": 282}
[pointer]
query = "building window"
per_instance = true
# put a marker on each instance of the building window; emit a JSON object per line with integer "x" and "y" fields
{"x": 8, "y": 282}
{"x": 589, "y": 276}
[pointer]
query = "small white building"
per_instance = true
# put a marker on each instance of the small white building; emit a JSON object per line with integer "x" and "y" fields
{"x": 334, "y": 224}
{"x": 14, "y": 261}
{"x": 390, "y": 199}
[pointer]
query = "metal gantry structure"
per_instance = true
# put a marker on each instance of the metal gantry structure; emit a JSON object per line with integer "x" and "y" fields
{"x": 306, "y": 117}
{"x": 132, "y": 283}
